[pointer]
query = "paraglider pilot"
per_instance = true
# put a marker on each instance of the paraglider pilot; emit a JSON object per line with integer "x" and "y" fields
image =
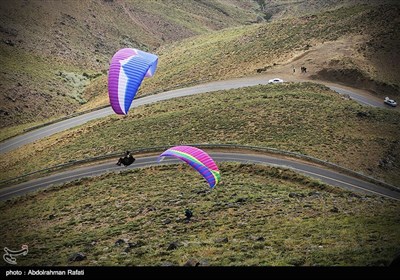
{"x": 188, "y": 214}
{"x": 128, "y": 159}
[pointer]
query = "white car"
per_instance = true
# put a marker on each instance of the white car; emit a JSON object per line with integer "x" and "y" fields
{"x": 390, "y": 102}
{"x": 275, "y": 81}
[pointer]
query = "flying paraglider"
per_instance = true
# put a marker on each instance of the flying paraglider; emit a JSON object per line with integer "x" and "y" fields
{"x": 128, "y": 68}
{"x": 198, "y": 159}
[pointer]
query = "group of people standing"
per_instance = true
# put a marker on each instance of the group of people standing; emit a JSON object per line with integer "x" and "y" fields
{"x": 302, "y": 68}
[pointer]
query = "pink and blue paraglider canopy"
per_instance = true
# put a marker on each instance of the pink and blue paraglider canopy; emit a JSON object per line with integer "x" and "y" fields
{"x": 128, "y": 68}
{"x": 198, "y": 159}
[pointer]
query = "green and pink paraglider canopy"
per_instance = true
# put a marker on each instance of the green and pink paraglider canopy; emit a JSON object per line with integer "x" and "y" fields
{"x": 198, "y": 159}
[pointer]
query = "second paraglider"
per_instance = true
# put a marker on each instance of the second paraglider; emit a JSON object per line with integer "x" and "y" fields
{"x": 198, "y": 159}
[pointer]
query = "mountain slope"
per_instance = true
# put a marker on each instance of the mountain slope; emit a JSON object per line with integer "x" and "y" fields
{"x": 65, "y": 59}
{"x": 357, "y": 46}
{"x": 51, "y": 50}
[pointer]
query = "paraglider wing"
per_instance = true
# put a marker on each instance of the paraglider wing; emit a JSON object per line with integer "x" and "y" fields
{"x": 128, "y": 68}
{"x": 198, "y": 159}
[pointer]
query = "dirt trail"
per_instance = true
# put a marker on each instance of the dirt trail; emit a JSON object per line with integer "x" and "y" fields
{"x": 316, "y": 59}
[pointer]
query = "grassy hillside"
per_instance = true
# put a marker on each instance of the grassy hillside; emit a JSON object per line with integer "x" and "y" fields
{"x": 299, "y": 117}
{"x": 278, "y": 9}
{"x": 54, "y": 61}
{"x": 357, "y": 46}
{"x": 257, "y": 215}
{"x": 51, "y": 50}
{"x": 260, "y": 48}
{"x": 56, "y": 56}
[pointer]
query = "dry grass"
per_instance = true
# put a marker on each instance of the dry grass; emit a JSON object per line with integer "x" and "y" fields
{"x": 366, "y": 63}
{"x": 260, "y": 216}
{"x": 42, "y": 38}
{"x": 299, "y": 117}
{"x": 215, "y": 55}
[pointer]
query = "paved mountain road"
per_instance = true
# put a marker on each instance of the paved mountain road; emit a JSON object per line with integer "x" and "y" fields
{"x": 324, "y": 174}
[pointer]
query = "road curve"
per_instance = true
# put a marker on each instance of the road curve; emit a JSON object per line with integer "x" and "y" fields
{"x": 30, "y": 137}
{"x": 328, "y": 176}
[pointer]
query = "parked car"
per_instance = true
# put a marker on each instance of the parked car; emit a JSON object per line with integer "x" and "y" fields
{"x": 275, "y": 81}
{"x": 390, "y": 102}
